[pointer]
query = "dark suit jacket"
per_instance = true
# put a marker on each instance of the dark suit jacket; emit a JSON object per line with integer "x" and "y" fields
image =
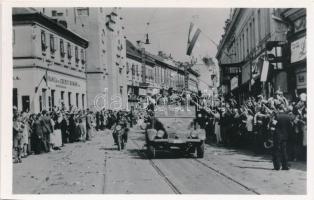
{"x": 38, "y": 129}
{"x": 46, "y": 125}
{"x": 283, "y": 126}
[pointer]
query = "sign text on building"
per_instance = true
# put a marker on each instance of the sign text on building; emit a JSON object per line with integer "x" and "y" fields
{"x": 298, "y": 50}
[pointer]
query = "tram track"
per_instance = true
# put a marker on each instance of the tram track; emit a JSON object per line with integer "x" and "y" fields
{"x": 157, "y": 169}
{"x": 176, "y": 189}
{"x": 226, "y": 176}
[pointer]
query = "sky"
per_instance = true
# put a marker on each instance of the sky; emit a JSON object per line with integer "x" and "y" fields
{"x": 168, "y": 29}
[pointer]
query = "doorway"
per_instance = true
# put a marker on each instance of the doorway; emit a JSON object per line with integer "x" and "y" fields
{"x": 25, "y": 103}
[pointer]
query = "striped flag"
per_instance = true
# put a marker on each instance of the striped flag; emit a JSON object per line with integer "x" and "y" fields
{"x": 193, "y": 35}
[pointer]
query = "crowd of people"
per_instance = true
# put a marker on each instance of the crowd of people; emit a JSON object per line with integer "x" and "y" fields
{"x": 253, "y": 123}
{"x": 49, "y": 130}
{"x": 250, "y": 124}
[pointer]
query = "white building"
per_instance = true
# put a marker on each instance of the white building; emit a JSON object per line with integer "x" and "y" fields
{"x": 106, "y": 54}
{"x": 49, "y": 63}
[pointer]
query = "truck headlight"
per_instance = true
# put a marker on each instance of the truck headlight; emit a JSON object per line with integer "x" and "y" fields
{"x": 160, "y": 133}
{"x": 194, "y": 134}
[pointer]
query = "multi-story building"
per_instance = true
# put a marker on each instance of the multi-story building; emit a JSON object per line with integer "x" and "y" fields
{"x": 242, "y": 53}
{"x": 49, "y": 63}
{"x": 160, "y": 72}
{"x": 296, "y": 37}
{"x": 193, "y": 80}
{"x": 106, "y": 72}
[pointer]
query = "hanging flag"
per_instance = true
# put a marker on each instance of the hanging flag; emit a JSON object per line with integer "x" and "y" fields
{"x": 192, "y": 38}
{"x": 264, "y": 71}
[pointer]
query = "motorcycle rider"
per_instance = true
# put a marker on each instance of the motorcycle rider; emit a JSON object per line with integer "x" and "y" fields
{"x": 123, "y": 122}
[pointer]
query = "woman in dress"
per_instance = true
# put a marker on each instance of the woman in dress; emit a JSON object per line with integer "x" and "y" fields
{"x": 25, "y": 135}
{"x": 216, "y": 115}
{"x": 57, "y": 139}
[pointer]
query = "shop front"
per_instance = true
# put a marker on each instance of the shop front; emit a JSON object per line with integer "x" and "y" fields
{"x": 298, "y": 63}
{"x": 36, "y": 89}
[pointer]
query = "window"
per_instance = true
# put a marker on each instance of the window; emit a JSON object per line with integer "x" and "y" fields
{"x": 62, "y": 95}
{"x": 243, "y": 47}
{"x": 69, "y": 51}
{"x": 247, "y": 41}
{"x": 15, "y": 97}
{"x": 83, "y": 101}
{"x": 83, "y": 11}
{"x": 267, "y": 21}
{"x": 52, "y": 44}
{"x": 44, "y": 97}
{"x": 240, "y": 49}
{"x": 127, "y": 68}
{"x": 77, "y": 99}
{"x": 251, "y": 36}
{"x": 69, "y": 99}
{"x": 53, "y": 98}
{"x": 62, "y": 48}
{"x": 43, "y": 41}
{"x": 254, "y": 40}
{"x": 82, "y": 56}
{"x": 76, "y": 55}
{"x": 54, "y": 13}
{"x": 13, "y": 37}
{"x": 259, "y": 25}
{"x": 40, "y": 104}
{"x": 133, "y": 69}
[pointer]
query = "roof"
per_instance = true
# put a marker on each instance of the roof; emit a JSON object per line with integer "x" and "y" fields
{"x": 293, "y": 13}
{"x": 16, "y": 11}
{"x": 29, "y": 16}
{"x": 135, "y": 52}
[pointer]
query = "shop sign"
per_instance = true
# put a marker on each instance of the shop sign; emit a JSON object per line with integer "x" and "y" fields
{"x": 256, "y": 67}
{"x": 63, "y": 82}
{"x": 234, "y": 83}
{"x": 301, "y": 80}
{"x": 298, "y": 50}
{"x": 246, "y": 73}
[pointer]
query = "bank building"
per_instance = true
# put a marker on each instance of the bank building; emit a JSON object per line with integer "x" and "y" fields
{"x": 49, "y": 63}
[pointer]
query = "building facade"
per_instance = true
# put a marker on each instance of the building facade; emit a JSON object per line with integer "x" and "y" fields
{"x": 150, "y": 74}
{"x": 49, "y": 63}
{"x": 246, "y": 67}
{"x": 296, "y": 39}
{"x": 106, "y": 54}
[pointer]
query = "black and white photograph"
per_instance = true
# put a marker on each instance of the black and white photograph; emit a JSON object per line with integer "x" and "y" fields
{"x": 158, "y": 100}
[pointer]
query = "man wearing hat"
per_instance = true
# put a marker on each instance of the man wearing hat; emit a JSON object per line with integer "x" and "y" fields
{"x": 280, "y": 137}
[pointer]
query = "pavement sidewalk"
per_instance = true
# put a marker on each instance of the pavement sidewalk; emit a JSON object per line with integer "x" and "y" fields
{"x": 256, "y": 171}
{"x": 77, "y": 168}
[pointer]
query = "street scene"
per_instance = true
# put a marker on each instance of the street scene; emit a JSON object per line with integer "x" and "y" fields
{"x": 159, "y": 101}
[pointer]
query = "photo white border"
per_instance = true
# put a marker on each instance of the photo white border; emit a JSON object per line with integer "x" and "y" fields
{"x": 7, "y": 85}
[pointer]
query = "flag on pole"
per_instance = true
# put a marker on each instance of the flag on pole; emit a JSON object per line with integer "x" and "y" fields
{"x": 192, "y": 38}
